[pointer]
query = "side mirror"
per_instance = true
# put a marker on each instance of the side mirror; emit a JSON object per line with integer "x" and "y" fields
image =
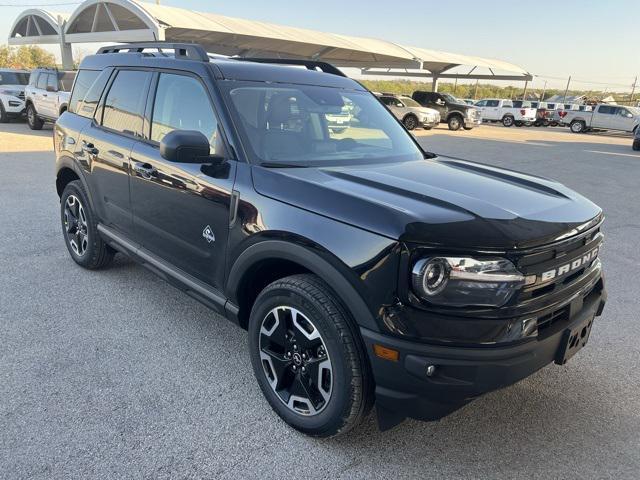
{"x": 185, "y": 146}
{"x": 51, "y": 88}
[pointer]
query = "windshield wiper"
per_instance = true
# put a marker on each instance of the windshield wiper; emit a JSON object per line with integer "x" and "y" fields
{"x": 282, "y": 165}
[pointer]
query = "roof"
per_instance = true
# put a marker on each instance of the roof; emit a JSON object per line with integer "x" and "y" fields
{"x": 231, "y": 69}
{"x": 129, "y": 20}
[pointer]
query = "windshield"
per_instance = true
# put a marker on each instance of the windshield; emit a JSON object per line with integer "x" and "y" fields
{"x": 410, "y": 102}
{"x": 14, "y": 78}
{"x": 296, "y": 125}
{"x": 451, "y": 98}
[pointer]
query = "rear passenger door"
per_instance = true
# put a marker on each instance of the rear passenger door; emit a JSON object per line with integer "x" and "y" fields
{"x": 181, "y": 211}
{"x": 105, "y": 146}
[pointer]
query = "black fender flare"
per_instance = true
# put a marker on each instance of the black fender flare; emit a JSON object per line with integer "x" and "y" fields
{"x": 66, "y": 161}
{"x": 312, "y": 261}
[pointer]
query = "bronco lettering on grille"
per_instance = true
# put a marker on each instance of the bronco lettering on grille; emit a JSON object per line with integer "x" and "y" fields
{"x": 569, "y": 267}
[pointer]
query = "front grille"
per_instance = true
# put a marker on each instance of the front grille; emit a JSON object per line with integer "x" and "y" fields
{"x": 577, "y": 253}
{"x": 21, "y": 96}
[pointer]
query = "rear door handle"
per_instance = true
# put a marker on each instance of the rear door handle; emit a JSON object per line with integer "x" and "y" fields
{"x": 145, "y": 170}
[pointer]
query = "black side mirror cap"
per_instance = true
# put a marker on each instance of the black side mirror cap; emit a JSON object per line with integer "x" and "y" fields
{"x": 185, "y": 146}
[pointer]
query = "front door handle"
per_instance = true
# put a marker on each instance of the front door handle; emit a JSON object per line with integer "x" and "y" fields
{"x": 89, "y": 148}
{"x": 145, "y": 170}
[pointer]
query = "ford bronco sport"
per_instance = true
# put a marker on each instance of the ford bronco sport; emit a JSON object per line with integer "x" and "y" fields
{"x": 364, "y": 269}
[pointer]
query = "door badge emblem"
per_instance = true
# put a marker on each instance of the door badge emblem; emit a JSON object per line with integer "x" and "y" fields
{"x": 208, "y": 235}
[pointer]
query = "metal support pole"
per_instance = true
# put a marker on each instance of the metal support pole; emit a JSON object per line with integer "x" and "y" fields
{"x": 475, "y": 91}
{"x": 633, "y": 90}
{"x": 524, "y": 92}
{"x": 544, "y": 89}
{"x": 66, "y": 54}
{"x": 434, "y": 85}
{"x": 564, "y": 97}
{"x": 455, "y": 86}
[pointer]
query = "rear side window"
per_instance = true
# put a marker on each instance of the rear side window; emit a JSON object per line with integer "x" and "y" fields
{"x": 182, "y": 103}
{"x": 81, "y": 87}
{"x": 124, "y": 105}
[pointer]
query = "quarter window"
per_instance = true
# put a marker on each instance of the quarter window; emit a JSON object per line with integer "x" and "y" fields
{"x": 52, "y": 82}
{"x": 80, "y": 88}
{"x": 124, "y": 105}
{"x": 182, "y": 103}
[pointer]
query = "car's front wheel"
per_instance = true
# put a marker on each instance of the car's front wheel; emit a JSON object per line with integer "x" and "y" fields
{"x": 32, "y": 118}
{"x": 80, "y": 229}
{"x": 307, "y": 357}
{"x": 455, "y": 122}
{"x": 410, "y": 122}
{"x": 508, "y": 121}
{"x": 577, "y": 126}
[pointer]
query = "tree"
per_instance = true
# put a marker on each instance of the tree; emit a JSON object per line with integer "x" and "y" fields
{"x": 26, "y": 57}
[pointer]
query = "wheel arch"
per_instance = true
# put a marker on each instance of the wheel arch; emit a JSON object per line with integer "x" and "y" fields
{"x": 454, "y": 113}
{"x": 68, "y": 171}
{"x": 270, "y": 260}
{"x": 410, "y": 114}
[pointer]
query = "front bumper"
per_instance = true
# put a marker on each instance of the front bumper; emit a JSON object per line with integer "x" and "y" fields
{"x": 403, "y": 388}
{"x": 430, "y": 123}
{"x": 470, "y": 122}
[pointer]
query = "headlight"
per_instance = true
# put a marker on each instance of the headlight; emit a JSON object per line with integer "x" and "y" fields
{"x": 12, "y": 93}
{"x": 466, "y": 281}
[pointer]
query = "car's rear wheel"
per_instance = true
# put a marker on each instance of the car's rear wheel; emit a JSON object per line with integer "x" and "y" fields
{"x": 80, "y": 229}
{"x": 307, "y": 358}
{"x": 410, "y": 122}
{"x": 577, "y": 126}
{"x": 636, "y": 144}
{"x": 508, "y": 121}
{"x": 454, "y": 122}
{"x": 32, "y": 118}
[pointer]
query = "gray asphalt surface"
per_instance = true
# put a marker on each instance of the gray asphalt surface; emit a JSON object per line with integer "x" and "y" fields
{"x": 115, "y": 374}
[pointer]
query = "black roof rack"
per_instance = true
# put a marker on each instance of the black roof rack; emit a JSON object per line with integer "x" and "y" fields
{"x": 183, "y": 51}
{"x": 309, "y": 64}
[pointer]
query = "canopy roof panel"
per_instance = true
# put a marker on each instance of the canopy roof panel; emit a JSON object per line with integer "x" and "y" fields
{"x": 130, "y": 21}
{"x": 36, "y": 26}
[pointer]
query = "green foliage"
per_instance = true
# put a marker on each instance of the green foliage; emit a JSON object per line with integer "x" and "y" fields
{"x": 26, "y": 57}
{"x": 483, "y": 90}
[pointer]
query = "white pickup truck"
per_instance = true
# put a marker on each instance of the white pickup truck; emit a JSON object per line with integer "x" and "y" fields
{"x": 47, "y": 95}
{"x": 603, "y": 117}
{"x": 498, "y": 110}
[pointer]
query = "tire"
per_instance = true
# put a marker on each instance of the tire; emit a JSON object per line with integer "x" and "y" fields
{"x": 636, "y": 144}
{"x": 79, "y": 229}
{"x": 337, "y": 131}
{"x": 455, "y": 122}
{"x": 528, "y": 124}
{"x": 33, "y": 121}
{"x": 577, "y": 126}
{"x": 3, "y": 114}
{"x": 517, "y": 123}
{"x": 410, "y": 122}
{"x": 507, "y": 121}
{"x": 553, "y": 124}
{"x": 334, "y": 358}
{"x": 468, "y": 128}
{"x": 428, "y": 128}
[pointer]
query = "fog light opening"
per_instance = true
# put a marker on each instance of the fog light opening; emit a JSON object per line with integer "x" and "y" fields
{"x": 431, "y": 369}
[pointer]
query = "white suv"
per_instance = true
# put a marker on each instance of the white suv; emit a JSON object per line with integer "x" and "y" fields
{"x": 12, "y": 84}
{"x": 410, "y": 112}
{"x": 47, "y": 95}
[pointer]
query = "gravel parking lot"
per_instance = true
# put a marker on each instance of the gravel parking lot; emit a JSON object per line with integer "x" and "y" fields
{"x": 115, "y": 374}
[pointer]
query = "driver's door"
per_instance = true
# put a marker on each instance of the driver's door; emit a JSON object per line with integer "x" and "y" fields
{"x": 181, "y": 210}
{"x": 625, "y": 120}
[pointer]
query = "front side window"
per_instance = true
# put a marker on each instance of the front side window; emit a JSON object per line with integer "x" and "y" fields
{"x": 124, "y": 105}
{"x": 42, "y": 81}
{"x": 494, "y": 103}
{"x": 52, "y": 82}
{"x": 33, "y": 78}
{"x": 85, "y": 80}
{"x": 296, "y": 125}
{"x": 182, "y": 103}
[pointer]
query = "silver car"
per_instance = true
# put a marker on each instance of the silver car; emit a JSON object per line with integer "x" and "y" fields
{"x": 410, "y": 112}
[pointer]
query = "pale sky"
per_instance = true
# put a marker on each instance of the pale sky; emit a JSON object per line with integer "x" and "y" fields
{"x": 596, "y": 42}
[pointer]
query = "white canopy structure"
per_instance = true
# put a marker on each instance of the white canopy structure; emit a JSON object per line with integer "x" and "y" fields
{"x": 129, "y": 21}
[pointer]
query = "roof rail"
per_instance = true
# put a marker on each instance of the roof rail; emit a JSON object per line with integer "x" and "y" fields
{"x": 309, "y": 64}
{"x": 183, "y": 51}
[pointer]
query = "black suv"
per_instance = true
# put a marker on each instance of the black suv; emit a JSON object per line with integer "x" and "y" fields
{"x": 455, "y": 113}
{"x": 363, "y": 268}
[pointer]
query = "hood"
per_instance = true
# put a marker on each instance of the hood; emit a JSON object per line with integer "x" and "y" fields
{"x": 442, "y": 201}
{"x": 424, "y": 110}
{"x": 12, "y": 87}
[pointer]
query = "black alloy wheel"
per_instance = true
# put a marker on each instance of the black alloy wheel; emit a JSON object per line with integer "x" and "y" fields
{"x": 295, "y": 360}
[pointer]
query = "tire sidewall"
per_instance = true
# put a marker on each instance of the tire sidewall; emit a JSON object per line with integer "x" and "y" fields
{"x": 508, "y": 121}
{"x": 575, "y": 125}
{"x": 338, "y": 408}
{"x": 32, "y": 118}
{"x": 454, "y": 123}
